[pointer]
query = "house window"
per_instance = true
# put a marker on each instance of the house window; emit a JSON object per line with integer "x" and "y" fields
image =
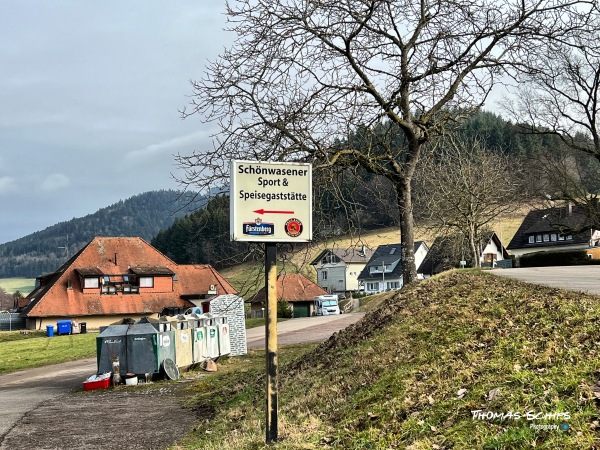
{"x": 146, "y": 282}
{"x": 324, "y": 275}
{"x": 553, "y": 237}
{"x": 373, "y": 286}
{"x": 393, "y": 285}
{"x": 90, "y": 283}
{"x": 561, "y": 237}
{"x": 531, "y": 239}
{"x": 569, "y": 237}
{"x": 538, "y": 238}
{"x": 330, "y": 259}
{"x": 546, "y": 238}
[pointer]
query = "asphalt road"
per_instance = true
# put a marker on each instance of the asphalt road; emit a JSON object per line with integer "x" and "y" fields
{"x": 575, "y": 278}
{"x": 301, "y": 330}
{"x": 22, "y": 392}
{"x": 30, "y": 400}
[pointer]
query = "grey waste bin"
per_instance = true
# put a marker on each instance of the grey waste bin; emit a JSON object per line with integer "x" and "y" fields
{"x": 83, "y": 327}
{"x": 111, "y": 345}
{"x": 147, "y": 347}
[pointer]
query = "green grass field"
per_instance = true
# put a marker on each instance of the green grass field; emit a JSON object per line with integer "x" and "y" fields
{"x": 12, "y": 285}
{"x": 25, "y": 351}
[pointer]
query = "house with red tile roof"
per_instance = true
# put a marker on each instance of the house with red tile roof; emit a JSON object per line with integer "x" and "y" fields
{"x": 113, "y": 278}
{"x": 294, "y": 288}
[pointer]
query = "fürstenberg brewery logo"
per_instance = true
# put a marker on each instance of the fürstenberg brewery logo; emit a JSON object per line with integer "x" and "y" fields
{"x": 258, "y": 228}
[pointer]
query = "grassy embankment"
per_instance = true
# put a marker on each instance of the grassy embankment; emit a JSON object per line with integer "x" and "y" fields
{"x": 412, "y": 372}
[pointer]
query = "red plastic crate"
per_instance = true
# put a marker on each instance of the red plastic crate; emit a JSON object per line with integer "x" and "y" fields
{"x": 99, "y": 384}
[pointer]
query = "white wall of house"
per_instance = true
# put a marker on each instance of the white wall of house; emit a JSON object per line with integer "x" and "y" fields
{"x": 353, "y": 270}
{"x": 390, "y": 283}
{"x": 491, "y": 248}
{"x": 339, "y": 277}
{"x": 332, "y": 277}
{"x": 420, "y": 255}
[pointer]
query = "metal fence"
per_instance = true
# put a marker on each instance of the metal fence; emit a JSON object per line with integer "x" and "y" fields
{"x": 11, "y": 321}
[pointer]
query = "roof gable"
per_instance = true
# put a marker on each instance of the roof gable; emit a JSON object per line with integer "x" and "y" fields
{"x": 347, "y": 255}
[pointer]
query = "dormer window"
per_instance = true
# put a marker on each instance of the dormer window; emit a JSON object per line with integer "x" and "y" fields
{"x": 146, "y": 282}
{"x": 531, "y": 239}
{"x": 91, "y": 283}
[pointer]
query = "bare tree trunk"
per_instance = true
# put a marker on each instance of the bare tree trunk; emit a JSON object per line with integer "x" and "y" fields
{"x": 474, "y": 249}
{"x": 407, "y": 237}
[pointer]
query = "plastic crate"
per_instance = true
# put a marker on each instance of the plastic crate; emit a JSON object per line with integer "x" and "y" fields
{"x": 102, "y": 383}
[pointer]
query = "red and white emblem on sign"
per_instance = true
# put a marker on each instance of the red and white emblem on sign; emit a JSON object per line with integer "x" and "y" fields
{"x": 293, "y": 228}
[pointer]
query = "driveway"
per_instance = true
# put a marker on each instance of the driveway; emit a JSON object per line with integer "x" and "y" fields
{"x": 574, "y": 278}
{"x": 46, "y": 408}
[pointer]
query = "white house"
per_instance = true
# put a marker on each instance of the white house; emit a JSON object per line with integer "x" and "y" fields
{"x": 338, "y": 268}
{"x": 447, "y": 252}
{"x": 383, "y": 272}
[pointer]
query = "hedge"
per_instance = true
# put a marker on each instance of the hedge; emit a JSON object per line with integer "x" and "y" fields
{"x": 557, "y": 258}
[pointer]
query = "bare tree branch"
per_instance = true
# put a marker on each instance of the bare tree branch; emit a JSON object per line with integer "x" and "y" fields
{"x": 303, "y": 76}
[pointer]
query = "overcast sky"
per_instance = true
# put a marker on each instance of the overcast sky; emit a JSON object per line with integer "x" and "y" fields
{"x": 89, "y": 100}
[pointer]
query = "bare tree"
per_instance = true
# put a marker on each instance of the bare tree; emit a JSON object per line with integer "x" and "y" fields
{"x": 463, "y": 187}
{"x": 303, "y": 77}
{"x": 560, "y": 95}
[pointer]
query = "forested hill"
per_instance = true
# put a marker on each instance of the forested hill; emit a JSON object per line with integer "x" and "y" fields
{"x": 143, "y": 215}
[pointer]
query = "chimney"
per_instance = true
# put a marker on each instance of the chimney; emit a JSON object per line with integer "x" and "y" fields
{"x": 570, "y": 208}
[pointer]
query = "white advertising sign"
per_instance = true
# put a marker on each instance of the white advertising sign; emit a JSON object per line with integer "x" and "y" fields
{"x": 271, "y": 202}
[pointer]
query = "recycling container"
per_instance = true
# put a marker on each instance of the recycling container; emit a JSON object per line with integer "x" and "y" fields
{"x": 223, "y": 333}
{"x": 212, "y": 338}
{"x": 183, "y": 341}
{"x": 111, "y": 345}
{"x": 63, "y": 327}
{"x": 198, "y": 326}
{"x": 147, "y": 347}
{"x": 49, "y": 330}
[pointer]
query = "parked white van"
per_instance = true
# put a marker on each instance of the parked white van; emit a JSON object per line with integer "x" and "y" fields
{"x": 326, "y": 305}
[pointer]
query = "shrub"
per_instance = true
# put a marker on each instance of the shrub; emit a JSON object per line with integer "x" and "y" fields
{"x": 284, "y": 309}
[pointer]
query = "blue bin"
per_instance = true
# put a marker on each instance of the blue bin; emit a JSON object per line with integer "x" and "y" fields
{"x": 63, "y": 327}
{"x": 49, "y": 330}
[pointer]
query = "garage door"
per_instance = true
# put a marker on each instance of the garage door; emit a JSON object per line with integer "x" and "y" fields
{"x": 301, "y": 309}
